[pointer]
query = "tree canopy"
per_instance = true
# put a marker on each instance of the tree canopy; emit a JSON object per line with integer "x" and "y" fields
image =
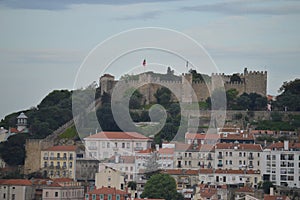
{"x": 290, "y": 97}
{"x": 161, "y": 186}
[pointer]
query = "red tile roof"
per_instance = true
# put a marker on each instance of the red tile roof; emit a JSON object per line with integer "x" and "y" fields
{"x": 202, "y": 136}
{"x": 106, "y": 190}
{"x": 245, "y": 189}
{"x": 240, "y": 136}
{"x": 166, "y": 151}
{"x": 280, "y": 145}
{"x": 24, "y": 182}
{"x": 227, "y": 171}
{"x": 62, "y": 148}
{"x": 180, "y": 172}
{"x": 62, "y": 180}
{"x": 146, "y": 151}
{"x": 119, "y": 135}
{"x": 275, "y": 197}
{"x": 252, "y": 147}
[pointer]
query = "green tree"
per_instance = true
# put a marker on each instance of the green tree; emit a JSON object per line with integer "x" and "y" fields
{"x": 163, "y": 96}
{"x": 132, "y": 185}
{"x": 135, "y": 100}
{"x": 161, "y": 186}
{"x": 290, "y": 96}
{"x": 235, "y": 78}
{"x": 266, "y": 185}
{"x": 231, "y": 96}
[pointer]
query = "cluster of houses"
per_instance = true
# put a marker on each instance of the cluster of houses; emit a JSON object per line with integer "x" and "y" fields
{"x": 228, "y": 164}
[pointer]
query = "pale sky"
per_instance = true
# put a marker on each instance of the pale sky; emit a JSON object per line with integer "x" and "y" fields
{"x": 43, "y": 43}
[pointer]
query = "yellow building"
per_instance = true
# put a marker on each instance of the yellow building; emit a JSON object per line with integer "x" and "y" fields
{"x": 59, "y": 161}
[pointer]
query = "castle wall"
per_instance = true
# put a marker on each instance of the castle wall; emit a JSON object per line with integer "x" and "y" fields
{"x": 256, "y": 82}
{"x": 186, "y": 90}
{"x": 33, "y": 149}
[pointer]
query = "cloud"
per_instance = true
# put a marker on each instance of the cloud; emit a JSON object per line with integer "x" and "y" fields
{"x": 65, "y": 4}
{"x": 249, "y": 7}
{"x": 141, "y": 16}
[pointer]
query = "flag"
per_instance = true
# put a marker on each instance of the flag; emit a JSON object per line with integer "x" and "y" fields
{"x": 144, "y": 62}
{"x": 269, "y": 107}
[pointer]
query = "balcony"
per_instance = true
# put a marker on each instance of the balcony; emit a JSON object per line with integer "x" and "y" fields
{"x": 92, "y": 148}
{"x": 250, "y": 166}
{"x": 45, "y": 158}
{"x": 57, "y": 167}
{"x": 209, "y": 157}
{"x": 220, "y": 165}
{"x": 220, "y": 156}
{"x": 71, "y": 158}
{"x": 250, "y": 158}
{"x": 138, "y": 148}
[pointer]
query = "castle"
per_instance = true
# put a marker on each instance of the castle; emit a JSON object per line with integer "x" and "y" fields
{"x": 185, "y": 89}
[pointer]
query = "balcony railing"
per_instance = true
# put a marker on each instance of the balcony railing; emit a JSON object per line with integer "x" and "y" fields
{"x": 45, "y": 158}
{"x": 250, "y": 157}
{"x": 220, "y": 156}
{"x": 220, "y": 165}
{"x": 209, "y": 157}
{"x": 92, "y": 148}
{"x": 138, "y": 148}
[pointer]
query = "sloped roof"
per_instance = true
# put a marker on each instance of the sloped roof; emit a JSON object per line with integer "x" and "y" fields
{"x": 202, "y": 136}
{"x": 118, "y": 135}
{"x": 275, "y": 197}
{"x": 106, "y": 190}
{"x": 62, "y": 148}
{"x": 245, "y": 189}
{"x": 23, "y": 182}
{"x": 253, "y": 147}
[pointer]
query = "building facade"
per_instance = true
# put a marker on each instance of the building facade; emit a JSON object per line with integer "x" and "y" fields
{"x": 59, "y": 161}
{"x": 281, "y": 164}
{"x": 104, "y": 145}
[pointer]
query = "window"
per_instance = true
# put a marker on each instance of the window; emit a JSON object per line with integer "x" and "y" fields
{"x": 45, "y": 164}
{"x": 217, "y": 178}
{"x": 103, "y": 144}
{"x": 47, "y": 194}
{"x": 230, "y": 162}
{"x": 109, "y": 197}
{"x": 240, "y": 154}
{"x": 230, "y": 153}
{"x": 94, "y": 196}
{"x": 13, "y": 197}
{"x": 71, "y": 164}
{"x": 101, "y": 196}
{"x": 257, "y": 163}
{"x": 108, "y": 145}
{"x": 127, "y": 145}
{"x": 71, "y": 156}
{"x": 58, "y": 155}
{"x": 123, "y": 145}
{"x": 258, "y": 154}
{"x": 4, "y": 196}
{"x": 56, "y": 194}
{"x": 65, "y": 155}
{"x": 117, "y": 197}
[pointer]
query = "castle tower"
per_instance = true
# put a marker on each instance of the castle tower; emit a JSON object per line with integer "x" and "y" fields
{"x": 255, "y": 82}
{"x": 22, "y": 122}
{"x": 186, "y": 91}
{"x": 107, "y": 83}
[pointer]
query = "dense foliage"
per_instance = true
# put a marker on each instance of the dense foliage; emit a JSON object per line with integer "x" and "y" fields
{"x": 289, "y": 99}
{"x": 161, "y": 186}
{"x": 53, "y": 111}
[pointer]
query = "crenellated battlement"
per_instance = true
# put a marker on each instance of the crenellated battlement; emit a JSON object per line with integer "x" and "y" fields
{"x": 250, "y": 82}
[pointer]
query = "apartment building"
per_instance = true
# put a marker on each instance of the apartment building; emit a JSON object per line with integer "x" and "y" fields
{"x": 230, "y": 177}
{"x": 281, "y": 164}
{"x": 104, "y": 145}
{"x": 193, "y": 156}
{"x": 13, "y": 189}
{"x": 63, "y": 189}
{"x": 59, "y": 161}
{"x": 238, "y": 156}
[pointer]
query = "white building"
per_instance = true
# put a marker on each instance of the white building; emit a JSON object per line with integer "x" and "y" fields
{"x": 238, "y": 156}
{"x": 281, "y": 164}
{"x": 104, "y": 145}
{"x": 16, "y": 189}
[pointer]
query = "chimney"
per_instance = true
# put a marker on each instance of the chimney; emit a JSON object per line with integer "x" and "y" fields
{"x": 117, "y": 158}
{"x": 271, "y": 191}
{"x": 286, "y": 145}
{"x": 157, "y": 147}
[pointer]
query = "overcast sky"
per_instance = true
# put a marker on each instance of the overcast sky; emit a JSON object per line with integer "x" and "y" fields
{"x": 43, "y": 43}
